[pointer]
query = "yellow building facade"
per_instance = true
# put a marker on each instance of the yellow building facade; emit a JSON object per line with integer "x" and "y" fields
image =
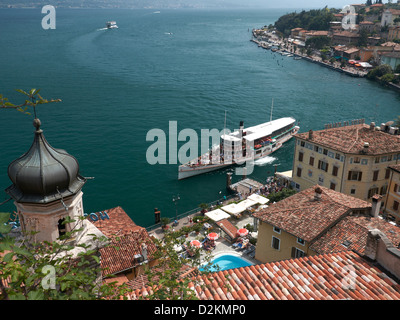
{"x": 275, "y": 244}
{"x": 352, "y": 159}
{"x": 392, "y": 203}
{"x": 290, "y": 228}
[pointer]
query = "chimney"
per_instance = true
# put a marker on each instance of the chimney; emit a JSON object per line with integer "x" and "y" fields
{"x": 380, "y": 249}
{"x": 376, "y": 205}
{"x": 241, "y": 127}
{"x": 372, "y": 126}
{"x": 365, "y": 148}
{"x": 144, "y": 251}
{"x": 317, "y": 195}
{"x": 310, "y": 135}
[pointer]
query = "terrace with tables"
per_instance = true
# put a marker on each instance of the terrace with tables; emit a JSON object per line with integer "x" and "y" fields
{"x": 219, "y": 235}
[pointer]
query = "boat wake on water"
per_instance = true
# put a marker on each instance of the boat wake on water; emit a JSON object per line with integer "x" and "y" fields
{"x": 264, "y": 161}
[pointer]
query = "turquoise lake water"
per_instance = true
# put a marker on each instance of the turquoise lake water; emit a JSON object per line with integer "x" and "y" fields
{"x": 188, "y": 66}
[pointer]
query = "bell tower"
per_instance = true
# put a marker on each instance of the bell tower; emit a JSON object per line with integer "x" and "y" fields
{"x": 46, "y": 189}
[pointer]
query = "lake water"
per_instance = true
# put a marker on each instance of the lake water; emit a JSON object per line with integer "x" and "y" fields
{"x": 188, "y": 66}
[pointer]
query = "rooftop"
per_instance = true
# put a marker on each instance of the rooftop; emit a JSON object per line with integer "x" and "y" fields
{"x": 395, "y": 167}
{"x": 126, "y": 240}
{"x": 351, "y": 139}
{"x": 304, "y": 217}
{"x": 336, "y": 276}
{"x": 351, "y": 234}
{"x": 346, "y": 34}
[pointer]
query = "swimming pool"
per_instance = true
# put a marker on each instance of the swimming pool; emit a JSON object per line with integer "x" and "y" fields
{"x": 227, "y": 261}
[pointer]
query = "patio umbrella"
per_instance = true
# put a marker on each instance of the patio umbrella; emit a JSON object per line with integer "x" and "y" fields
{"x": 195, "y": 243}
{"x": 243, "y": 232}
{"x": 212, "y": 236}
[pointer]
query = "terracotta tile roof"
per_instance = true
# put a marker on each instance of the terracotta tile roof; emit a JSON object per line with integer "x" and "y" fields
{"x": 126, "y": 239}
{"x": 118, "y": 223}
{"x": 119, "y": 255}
{"x": 336, "y": 276}
{"x": 395, "y": 167}
{"x": 304, "y": 217}
{"x": 351, "y": 139}
{"x": 346, "y": 34}
{"x": 317, "y": 33}
{"x": 351, "y": 234}
{"x": 228, "y": 227}
{"x": 141, "y": 283}
{"x": 352, "y": 50}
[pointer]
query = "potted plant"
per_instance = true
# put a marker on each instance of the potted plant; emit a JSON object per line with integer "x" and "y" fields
{"x": 197, "y": 227}
{"x": 185, "y": 231}
{"x": 203, "y": 207}
{"x": 164, "y": 223}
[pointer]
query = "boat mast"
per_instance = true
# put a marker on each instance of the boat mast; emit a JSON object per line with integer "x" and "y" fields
{"x": 225, "y": 123}
{"x": 272, "y": 107}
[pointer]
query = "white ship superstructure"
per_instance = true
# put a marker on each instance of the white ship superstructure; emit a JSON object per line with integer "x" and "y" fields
{"x": 242, "y": 145}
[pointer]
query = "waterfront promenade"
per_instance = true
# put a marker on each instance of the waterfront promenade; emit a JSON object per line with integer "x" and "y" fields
{"x": 223, "y": 245}
{"x": 348, "y": 70}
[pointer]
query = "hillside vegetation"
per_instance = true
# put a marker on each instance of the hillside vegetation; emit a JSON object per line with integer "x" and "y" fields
{"x": 316, "y": 19}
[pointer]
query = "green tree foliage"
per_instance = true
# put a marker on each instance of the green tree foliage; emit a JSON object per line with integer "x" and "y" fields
{"x": 397, "y": 122}
{"x": 50, "y": 271}
{"x": 280, "y": 195}
{"x": 33, "y": 99}
{"x": 318, "y": 42}
{"x": 384, "y": 74}
{"x": 165, "y": 278}
{"x": 379, "y": 71}
{"x": 32, "y": 270}
{"x": 316, "y": 19}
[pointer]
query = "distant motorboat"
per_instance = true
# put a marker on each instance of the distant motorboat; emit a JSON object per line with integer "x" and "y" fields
{"x": 111, "y": 25}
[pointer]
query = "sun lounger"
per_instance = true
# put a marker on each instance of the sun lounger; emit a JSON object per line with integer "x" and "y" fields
{"x": 250, "y": 249}
{"x": 236, "y": 244}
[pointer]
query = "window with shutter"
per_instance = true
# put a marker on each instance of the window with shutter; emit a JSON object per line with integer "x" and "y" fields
{"x": 395, "y": 205}
{"x": 276, "y": 243}
{"x": 355, "y": 175}
{"x": 387, "y": 174}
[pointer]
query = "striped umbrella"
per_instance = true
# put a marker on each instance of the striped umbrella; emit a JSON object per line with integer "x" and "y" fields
{"x": 212, "y": 236}
{"x": 243, "y": 232}
{"x": 195, "y": 243}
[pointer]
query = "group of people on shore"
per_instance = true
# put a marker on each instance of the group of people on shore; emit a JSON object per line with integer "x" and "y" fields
{"x": 272, "y": 185}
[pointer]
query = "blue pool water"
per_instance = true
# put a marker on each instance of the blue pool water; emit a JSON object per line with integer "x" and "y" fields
{"x": 226, "y": 262}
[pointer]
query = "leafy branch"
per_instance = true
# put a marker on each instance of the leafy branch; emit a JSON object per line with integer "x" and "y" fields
{"x": 33, "y": 100}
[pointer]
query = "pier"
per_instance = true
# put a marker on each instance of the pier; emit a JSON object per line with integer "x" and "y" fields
{"x": 245, "y": 187}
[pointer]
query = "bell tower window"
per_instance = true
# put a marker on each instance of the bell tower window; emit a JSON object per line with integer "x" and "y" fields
{"x": 61, "y": 227}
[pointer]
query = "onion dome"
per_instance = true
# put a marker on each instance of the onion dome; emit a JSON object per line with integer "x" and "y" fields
{"x": 44, "y": 174}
